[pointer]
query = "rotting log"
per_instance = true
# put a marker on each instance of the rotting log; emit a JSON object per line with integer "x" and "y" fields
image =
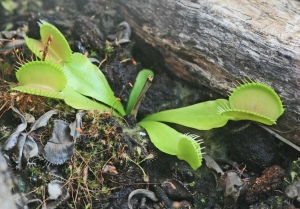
{"x": 217, "y": 42}
{"x": 6, "y": 197}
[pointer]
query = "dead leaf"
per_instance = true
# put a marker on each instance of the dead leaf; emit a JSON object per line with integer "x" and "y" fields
{"x": 60, "y": 147}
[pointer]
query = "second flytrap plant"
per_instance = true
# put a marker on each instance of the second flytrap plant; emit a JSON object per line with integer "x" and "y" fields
{"x": 73, "y": 78}
{"x": 250, "y": 101}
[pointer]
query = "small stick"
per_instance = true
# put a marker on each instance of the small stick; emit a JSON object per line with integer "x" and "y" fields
{"x": 279, "y": 137}
{"x": 45, "y": 51}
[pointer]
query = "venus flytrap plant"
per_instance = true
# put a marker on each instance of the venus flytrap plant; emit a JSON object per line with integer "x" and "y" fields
{"x": 250, "y": 101}
{"x": 64, "y": 75}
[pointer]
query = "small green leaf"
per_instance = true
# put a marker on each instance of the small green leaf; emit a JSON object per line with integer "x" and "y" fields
{"x": 202, "y": 116}
{"x": 59, "y": 46}
{"x": 8, "y": 27}
{"x": 9, "y": 5}
{"x": 162, "y": 136}
{"x": 169, "y": 141}
{"x": 86, "y": 78}
{"x": 37, "y": 48}
{"x": 189, "y": 150}
{"x": 140, "y": 81}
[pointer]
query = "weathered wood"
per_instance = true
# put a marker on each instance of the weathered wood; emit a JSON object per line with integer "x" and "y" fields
{"x": 6, "y": 198}
{"x": 217, "y": 42}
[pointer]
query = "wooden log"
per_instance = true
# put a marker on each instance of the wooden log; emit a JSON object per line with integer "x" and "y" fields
{"x": 218, "y": 42}
{"x": 6, "y": 197}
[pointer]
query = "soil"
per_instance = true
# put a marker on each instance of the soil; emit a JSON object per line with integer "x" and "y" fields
{"x": 110, "y": 156}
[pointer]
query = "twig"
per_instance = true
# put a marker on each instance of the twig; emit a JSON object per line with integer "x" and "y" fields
{"x": 279, "y": 137}
{"x": 105, "y": 59}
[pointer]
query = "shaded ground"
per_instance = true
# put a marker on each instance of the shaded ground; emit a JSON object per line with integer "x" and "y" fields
{"x": 104, "y": 169}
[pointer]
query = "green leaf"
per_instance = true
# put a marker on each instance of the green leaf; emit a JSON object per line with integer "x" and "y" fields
{"x": 140, "y": 81}
{"x": 86, "y": 78}
{"x": 189, "y": 150}
{"x": 78, "y": 101}
{"x": 169, "y": 141}
{"x": 9, "y": 5}
{"x": 202, "y": 116}
{"x": 162, "y": 136}
{"x": 37, "y": 48}
{"x": 254, "y": 101}
{"x": 59, "y": 46}
{"x": 58, "y": 49}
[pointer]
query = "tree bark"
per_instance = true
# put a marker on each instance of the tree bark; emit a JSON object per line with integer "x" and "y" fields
{"x": 217, "y": 42}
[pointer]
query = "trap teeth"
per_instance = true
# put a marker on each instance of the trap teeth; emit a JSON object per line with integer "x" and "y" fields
{"x": 190, "y": 150}
{"x": 200, "y": 141}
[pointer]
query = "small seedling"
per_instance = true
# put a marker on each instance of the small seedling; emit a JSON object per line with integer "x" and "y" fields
{"x": 150, "y": 156}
